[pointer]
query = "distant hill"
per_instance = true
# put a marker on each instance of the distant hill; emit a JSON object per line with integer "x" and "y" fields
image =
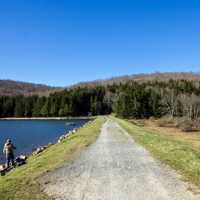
{"x": 13, "y": 88}
{"x": 144, "y": 78}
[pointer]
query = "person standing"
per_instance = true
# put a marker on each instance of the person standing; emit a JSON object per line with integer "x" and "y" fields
{"x": 9, "y": 152}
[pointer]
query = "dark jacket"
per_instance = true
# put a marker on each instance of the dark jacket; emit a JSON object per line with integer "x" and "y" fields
{"x": 9, "y": 148}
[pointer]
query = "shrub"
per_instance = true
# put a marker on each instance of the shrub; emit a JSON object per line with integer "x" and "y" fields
{"x": 189, "y": 125}
{"x": 167, "y": 121}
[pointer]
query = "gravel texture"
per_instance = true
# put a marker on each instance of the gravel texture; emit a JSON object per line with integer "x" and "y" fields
{"x": 115, "y": 168}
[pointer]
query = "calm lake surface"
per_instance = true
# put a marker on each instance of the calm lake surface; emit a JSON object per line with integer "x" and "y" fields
{"x": 30, "y": 134}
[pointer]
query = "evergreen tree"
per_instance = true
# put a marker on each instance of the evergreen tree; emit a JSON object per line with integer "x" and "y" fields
{"x": 45, "y": 110}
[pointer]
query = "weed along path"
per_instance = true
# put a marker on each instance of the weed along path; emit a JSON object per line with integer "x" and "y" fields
{"x": 115, "y": 168}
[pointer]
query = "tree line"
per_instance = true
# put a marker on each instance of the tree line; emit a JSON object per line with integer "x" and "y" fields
{"x": 176, "y": 98}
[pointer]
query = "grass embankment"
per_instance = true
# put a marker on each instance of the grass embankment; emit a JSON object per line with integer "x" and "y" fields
{"x": 22, "y": 182}
{"x": 174, "y": 151}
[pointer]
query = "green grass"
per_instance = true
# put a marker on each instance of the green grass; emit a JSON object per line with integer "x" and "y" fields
{"x": 22, "y": 183}
{"x": 177, "y": 153}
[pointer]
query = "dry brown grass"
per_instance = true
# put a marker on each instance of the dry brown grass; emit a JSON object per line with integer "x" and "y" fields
{"x": 173, "y": 132}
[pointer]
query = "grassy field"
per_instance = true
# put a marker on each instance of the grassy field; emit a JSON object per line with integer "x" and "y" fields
{"x": 177, "y": 152}
{"x": 22, "y": 183}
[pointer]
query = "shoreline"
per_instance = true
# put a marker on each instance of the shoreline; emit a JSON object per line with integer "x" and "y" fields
{"x": 45, "y": 118}
{"x": 25, "y": 179}
{"x": 41, "y": 148}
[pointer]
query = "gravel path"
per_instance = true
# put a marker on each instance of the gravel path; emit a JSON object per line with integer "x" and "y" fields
{"x": 116, "y": 168}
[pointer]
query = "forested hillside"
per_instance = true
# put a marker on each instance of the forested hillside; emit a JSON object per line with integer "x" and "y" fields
{"x": 177, "y": 98}
{"x": 189, "y": 76}
{"x": 13, "y": 88}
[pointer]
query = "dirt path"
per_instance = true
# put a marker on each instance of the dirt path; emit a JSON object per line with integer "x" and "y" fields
{"x": 116, "y": 168}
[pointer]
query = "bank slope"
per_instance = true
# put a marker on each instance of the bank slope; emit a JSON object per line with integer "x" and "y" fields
{"x": 22, "y": 182}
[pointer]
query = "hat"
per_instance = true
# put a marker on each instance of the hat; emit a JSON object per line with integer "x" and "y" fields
{"x": 8, "y": 141}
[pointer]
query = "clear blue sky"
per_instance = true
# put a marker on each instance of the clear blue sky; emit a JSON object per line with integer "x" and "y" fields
{"x": 61, "y": 42}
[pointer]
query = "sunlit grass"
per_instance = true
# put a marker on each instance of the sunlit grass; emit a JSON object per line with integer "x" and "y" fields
{"x": 179, "y": 154}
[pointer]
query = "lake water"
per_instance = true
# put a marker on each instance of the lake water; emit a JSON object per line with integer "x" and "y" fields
{"x": 30, "y": 134}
